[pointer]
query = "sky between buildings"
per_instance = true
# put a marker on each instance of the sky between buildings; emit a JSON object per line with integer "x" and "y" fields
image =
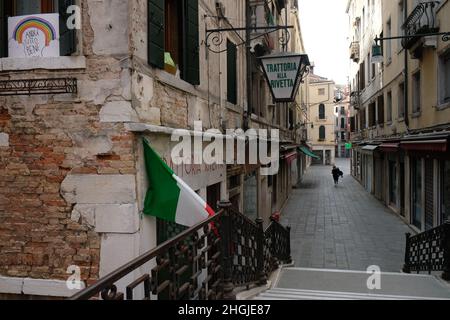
{"x": 324, "y": 26}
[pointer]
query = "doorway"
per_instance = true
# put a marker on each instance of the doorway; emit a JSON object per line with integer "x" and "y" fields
{"x": 417, "y": 187}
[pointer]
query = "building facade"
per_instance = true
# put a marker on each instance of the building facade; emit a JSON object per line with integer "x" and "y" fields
{"x": 72, "y": 171}
{"x": 408, "y": 141}
{"x": 321, "y": 113}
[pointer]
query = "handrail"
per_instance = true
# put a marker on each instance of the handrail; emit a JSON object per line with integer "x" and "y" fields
{"x": 233, "y": 250}
{"x": 118, "y": 274}
{"x": 429, "y": 251}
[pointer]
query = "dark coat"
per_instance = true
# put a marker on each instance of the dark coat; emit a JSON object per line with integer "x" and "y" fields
{"x": 337, "y": 173}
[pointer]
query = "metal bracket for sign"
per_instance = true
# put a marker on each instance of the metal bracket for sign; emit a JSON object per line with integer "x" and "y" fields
{"x": 38, "y": 86}
{"x": 445, "y": 36}
{"x": 218, "y": 38}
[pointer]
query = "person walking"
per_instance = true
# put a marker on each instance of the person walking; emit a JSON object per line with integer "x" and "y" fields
{"x": 337, "y": 173}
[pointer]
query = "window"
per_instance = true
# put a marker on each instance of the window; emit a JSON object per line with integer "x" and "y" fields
{"x": 401, "y": 21}
{"x": 362, "y": 76}
{"x": 322, "y": 114}
{"x": 380, "y": 110}
{"x": 343, "y": 111}
{"x": 389, "y": 106}
{"x": 373, "y": 70}
{"x": 401, "y": 101}
{"x": 173, "y": 31}
{"x": 352, "y": 124}
{"x": 372, "y": 114}
{"x": 388, "y": 43}
{"x": 10, "y": 8}
{"x": 368, "y": 68}
{"x": 342, "y": 123}
{"x": 444, "y": 78}
{"x": 322, "y": 133}
{"x": 416, "y": 92}
{"x": 321, "y": 92}
{"x": 231, "y": 72}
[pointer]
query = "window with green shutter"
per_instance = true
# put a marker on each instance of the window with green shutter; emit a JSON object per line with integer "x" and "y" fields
{"x": 156, "y": 28}
{"x": 67, "y": 37}
{"x": 173, "y": 37}
{"x": 231, "y": 72}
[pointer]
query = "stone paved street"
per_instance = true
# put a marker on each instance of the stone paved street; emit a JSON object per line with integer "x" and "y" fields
{"x": 344, "y": 227}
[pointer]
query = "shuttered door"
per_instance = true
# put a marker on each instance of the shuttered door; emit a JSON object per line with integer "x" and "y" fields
{"x": 156, "y": 25}
{"x": 191, "y": 73}
{"x": 67, "y": 40}
{"x": 429, "y": 194}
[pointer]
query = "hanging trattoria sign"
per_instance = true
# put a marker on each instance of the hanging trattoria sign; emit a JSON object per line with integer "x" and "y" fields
{"x": 283, "y": 72}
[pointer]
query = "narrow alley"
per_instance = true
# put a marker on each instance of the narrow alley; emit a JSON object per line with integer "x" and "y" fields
{"x": 342, "y": 228}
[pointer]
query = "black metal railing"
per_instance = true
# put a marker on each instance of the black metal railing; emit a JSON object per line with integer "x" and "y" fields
{"x": 422, "y": 20}
{"x": 205, "y": 262}
{"x": 354, "y": 51}
{"x": 429, "y": 251}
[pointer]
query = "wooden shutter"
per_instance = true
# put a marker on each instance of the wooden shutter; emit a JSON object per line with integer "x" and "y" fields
{"x": 3, "y": 31}
{"x": 156, "y": 32}
{"x": 67, "y": 38}
{"x": 231, "y": 72}
{"x": 191, "y": 72}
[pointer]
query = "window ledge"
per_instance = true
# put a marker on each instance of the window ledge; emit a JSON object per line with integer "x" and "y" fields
{"x": 416, "y": 114}
{"x": 402, "y": 119}
{"x": 443, "y": 106}
{"x": 50, "y": 63}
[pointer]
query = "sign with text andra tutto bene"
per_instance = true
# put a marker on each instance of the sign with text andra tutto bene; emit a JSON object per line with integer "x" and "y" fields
{"x": 34, "y": 36}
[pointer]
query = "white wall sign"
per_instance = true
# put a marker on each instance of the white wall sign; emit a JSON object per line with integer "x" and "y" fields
{"x": 283, "y": 72}
{"x": 34, "y": 36}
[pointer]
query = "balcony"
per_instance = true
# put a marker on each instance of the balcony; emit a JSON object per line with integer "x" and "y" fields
{"x": 422, "y": 20}
{"x": 354, "y": 51}
{"x": 354, "y": 100}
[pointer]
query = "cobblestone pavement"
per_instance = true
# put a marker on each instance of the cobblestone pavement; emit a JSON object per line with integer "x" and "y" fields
{"x": 342, "y": 227}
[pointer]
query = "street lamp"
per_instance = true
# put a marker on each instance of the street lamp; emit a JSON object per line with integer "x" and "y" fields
{"x": 377, "y": 53}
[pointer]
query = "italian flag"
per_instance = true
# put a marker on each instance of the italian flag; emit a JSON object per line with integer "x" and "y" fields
{"x": 170, "y": 198}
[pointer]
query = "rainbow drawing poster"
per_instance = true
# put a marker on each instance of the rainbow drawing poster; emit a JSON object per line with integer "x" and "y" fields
{"x": 34, "y": 36}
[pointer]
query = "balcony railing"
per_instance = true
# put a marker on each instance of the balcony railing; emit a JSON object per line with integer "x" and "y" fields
{"x": 205, "y": 262}
{"x": 422, "y": 20}
{"x": 354, "y": 100}
{"x": 354, "y": 51}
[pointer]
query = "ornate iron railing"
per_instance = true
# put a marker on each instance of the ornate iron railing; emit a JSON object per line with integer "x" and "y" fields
{"x": 37, "y": 86}
{"x": 205, "y": 262}
{"x": 422, "y": 20}
{"x": 354, "y": 51}
{"x": 429, "y": 251}
{"x": 277, "y": 246}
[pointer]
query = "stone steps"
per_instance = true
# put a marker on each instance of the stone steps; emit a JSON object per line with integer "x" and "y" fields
{"x": 321, "y": 284}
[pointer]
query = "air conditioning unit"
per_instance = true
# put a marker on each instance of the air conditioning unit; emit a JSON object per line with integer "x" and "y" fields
{"x": 220, "y": 9}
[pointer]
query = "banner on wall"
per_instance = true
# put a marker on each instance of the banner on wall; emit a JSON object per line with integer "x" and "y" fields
{"x": 34, "y": 36}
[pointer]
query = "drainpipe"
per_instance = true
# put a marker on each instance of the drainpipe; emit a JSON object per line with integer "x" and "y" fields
{"x": 406, "y": 76}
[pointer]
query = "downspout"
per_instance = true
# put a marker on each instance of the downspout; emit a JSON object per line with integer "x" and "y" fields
{"x": 406, "y": 76}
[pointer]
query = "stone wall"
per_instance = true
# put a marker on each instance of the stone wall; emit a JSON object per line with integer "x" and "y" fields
{"x": 67, "y": 165}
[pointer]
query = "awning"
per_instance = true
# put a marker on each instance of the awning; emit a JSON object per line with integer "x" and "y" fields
{"x": 390, "y": 147}
{"x": 426, "y": 145}
{"x": 370, "y": 148}
{"x": 308, "y": 152}
{"x": 291, "y": 157}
